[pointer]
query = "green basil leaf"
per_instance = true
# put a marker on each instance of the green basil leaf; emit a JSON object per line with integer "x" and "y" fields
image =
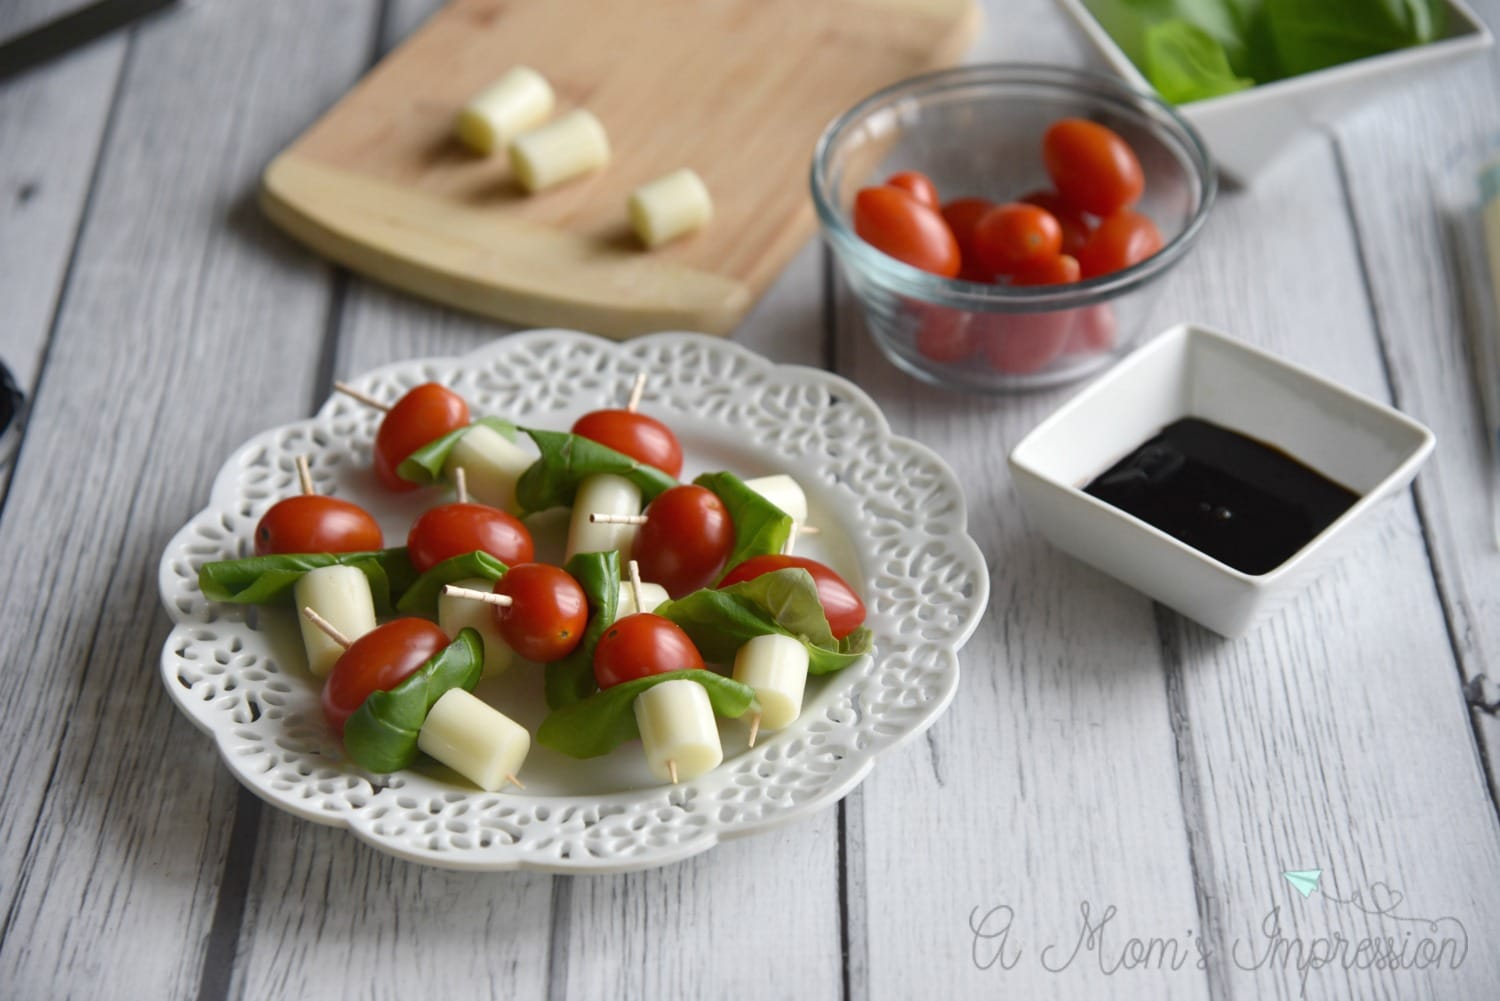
{"x": 422, "y": 597}
{"x": 566, "y": 459}
{"x": 720, "y": 621}
{"x": 760, "y": 527}
{"x": 606, "y": 719}
{"x": 1236, "y": 27}
{"x": 425, "y": 465}
{"x": 571, "y": 679}
{"x": 264, "y": 580}
{"x": 1313, "y": 36}
{"x": 1185, "y": 63}
{"x": 381, "y": 736}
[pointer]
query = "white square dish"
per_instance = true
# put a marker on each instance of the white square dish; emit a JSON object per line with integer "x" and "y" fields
{"x": 1245, "y": 131}
{"x": 1191, "y": 371}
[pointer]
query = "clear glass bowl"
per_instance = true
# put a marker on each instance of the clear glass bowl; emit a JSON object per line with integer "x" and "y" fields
{"x": 977, "y": 131}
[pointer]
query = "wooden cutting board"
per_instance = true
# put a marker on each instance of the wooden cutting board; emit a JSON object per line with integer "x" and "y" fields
{"x": 739, "y": 90}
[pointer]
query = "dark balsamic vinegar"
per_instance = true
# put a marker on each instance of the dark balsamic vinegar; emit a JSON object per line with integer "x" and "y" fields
{"x": 1228, "y": 496}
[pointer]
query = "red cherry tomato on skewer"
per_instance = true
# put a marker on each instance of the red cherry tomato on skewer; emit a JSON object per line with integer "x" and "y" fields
{"x": 645, "y": 439}
{"x": 376, "y": 662}
{"x": 547, "y": 613}
{"x": 842, "y": 606}
{"x": 455, "y": 529}
{"x": 313, "y": 523}
{"x": 916, "y": 184}
{"x": 686, "y": 539}
{"x": 641, "y": 645}
{"x": 423, "y": 415}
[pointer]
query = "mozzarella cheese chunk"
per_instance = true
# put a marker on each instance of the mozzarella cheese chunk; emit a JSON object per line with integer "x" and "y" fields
{"x": 784, "y": 492}
{"x": 670, "y": 206}
{"x": 677, "y": 725}
{"x": 559, "y": 151}
{"x": 491, "y": 463}
{"x": 455, "y": 613}
{"x": 776, "y": 667}
{"x": 341, "y": 595}
{"x": 520, "y": 100}
{"x": 474, "y": 739}
{"x": 603, "y": 493}
{"x": 651, "y": 596}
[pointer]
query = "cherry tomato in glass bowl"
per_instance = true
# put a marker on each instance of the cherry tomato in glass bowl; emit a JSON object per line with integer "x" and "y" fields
{"x": 1013, "y": 235}
{"x": 895, "y": 223}
{"x": 645, "y": 439}
{"x": 1075, "y": 223}
{"x": 1022, "y": 343}
{"x": 547, "y": 613}
{"x": 842, "y": 606}
{"x": 916, "y": 184}
{"x": 314, "y": 523}
{"x": 640, "y": 645}
{"x": 424, "y": 414}
{"x": 686, "y": 539}
{"x": 945, "y": 335}
{"x": 376, "y": 662}
{"x": 1091, "y": 166}
{"x": 456, "y": 529}
{"x": 1123, "y": 239}
{"x": 1060, "y": 270}
{"x": 962, "y": 215}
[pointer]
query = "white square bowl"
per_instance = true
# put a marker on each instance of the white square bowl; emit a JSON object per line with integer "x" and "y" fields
{"x": 1191, "y": 371}
{"x": 1246, "y": 130}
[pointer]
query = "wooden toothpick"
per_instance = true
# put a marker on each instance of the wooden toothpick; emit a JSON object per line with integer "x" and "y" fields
{"x": 635, "y": 589}
{"x": 461, "y": 484}
{"x": 304, "y": 475}
{"x": 514, "y": 781}
{"x": 754, "y": 728}
{"x": 595, "y": 518}
{"x": 489, "y": 598}
{"x": 636, "y": 389}
{"x": 331, "y": 630}
{"x": 361, "y": 396}
{"x": 672, "y": 770}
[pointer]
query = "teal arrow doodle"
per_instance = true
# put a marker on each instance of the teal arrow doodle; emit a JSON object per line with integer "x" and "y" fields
{"x": 1304, "y": 881}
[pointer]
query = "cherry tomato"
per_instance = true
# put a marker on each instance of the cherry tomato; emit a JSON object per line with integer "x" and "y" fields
{"x": 1060, "y": 270}
{"x": 641, "y": 645}
{"x": 376, "y": 662}
{"x": 686, "y": 539}
{"x": 945, "y": 335}
{"x": 1095, "y": 329}
{"x": 962, "y": 215}
{"x": 1075, "y": 223}
{"x": 645, "y": 439}
{"x": 425, "y": 414}
{"x": 1121, "y": 240}
{"x": 844, "y": 609}
{"x": 1092, "y": 167}
{"x": 1020, "y": 343}
{"x": 894, "y": 222}
{"x": 916, "y": 184}
{"x": 455, "y": 529}
{"x": 312, "y": 523}
{"x": 1013, "y": 235}
{"x": 547, "y": 612}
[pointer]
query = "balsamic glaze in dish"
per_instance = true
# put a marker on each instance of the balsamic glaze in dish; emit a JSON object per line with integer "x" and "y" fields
{"x": 1238, "y": 500}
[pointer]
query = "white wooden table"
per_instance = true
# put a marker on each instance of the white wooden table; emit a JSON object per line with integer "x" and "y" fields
{"x": 1103, "y": 752}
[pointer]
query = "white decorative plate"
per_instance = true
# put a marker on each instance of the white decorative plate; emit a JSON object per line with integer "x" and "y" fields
{"x": 893, "y": 524}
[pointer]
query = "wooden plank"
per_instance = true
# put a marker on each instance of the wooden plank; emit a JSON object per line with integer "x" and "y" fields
{"x": 1051, "y": 782}
{"x": 187, "y": 326}
{"x": 1395, "y": 157}
{"x": 737, "y": 90}
{"x": 51, "y": 122}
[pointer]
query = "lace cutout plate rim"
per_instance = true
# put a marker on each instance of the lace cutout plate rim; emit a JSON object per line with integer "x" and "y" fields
{"x": 894, "y": 521}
